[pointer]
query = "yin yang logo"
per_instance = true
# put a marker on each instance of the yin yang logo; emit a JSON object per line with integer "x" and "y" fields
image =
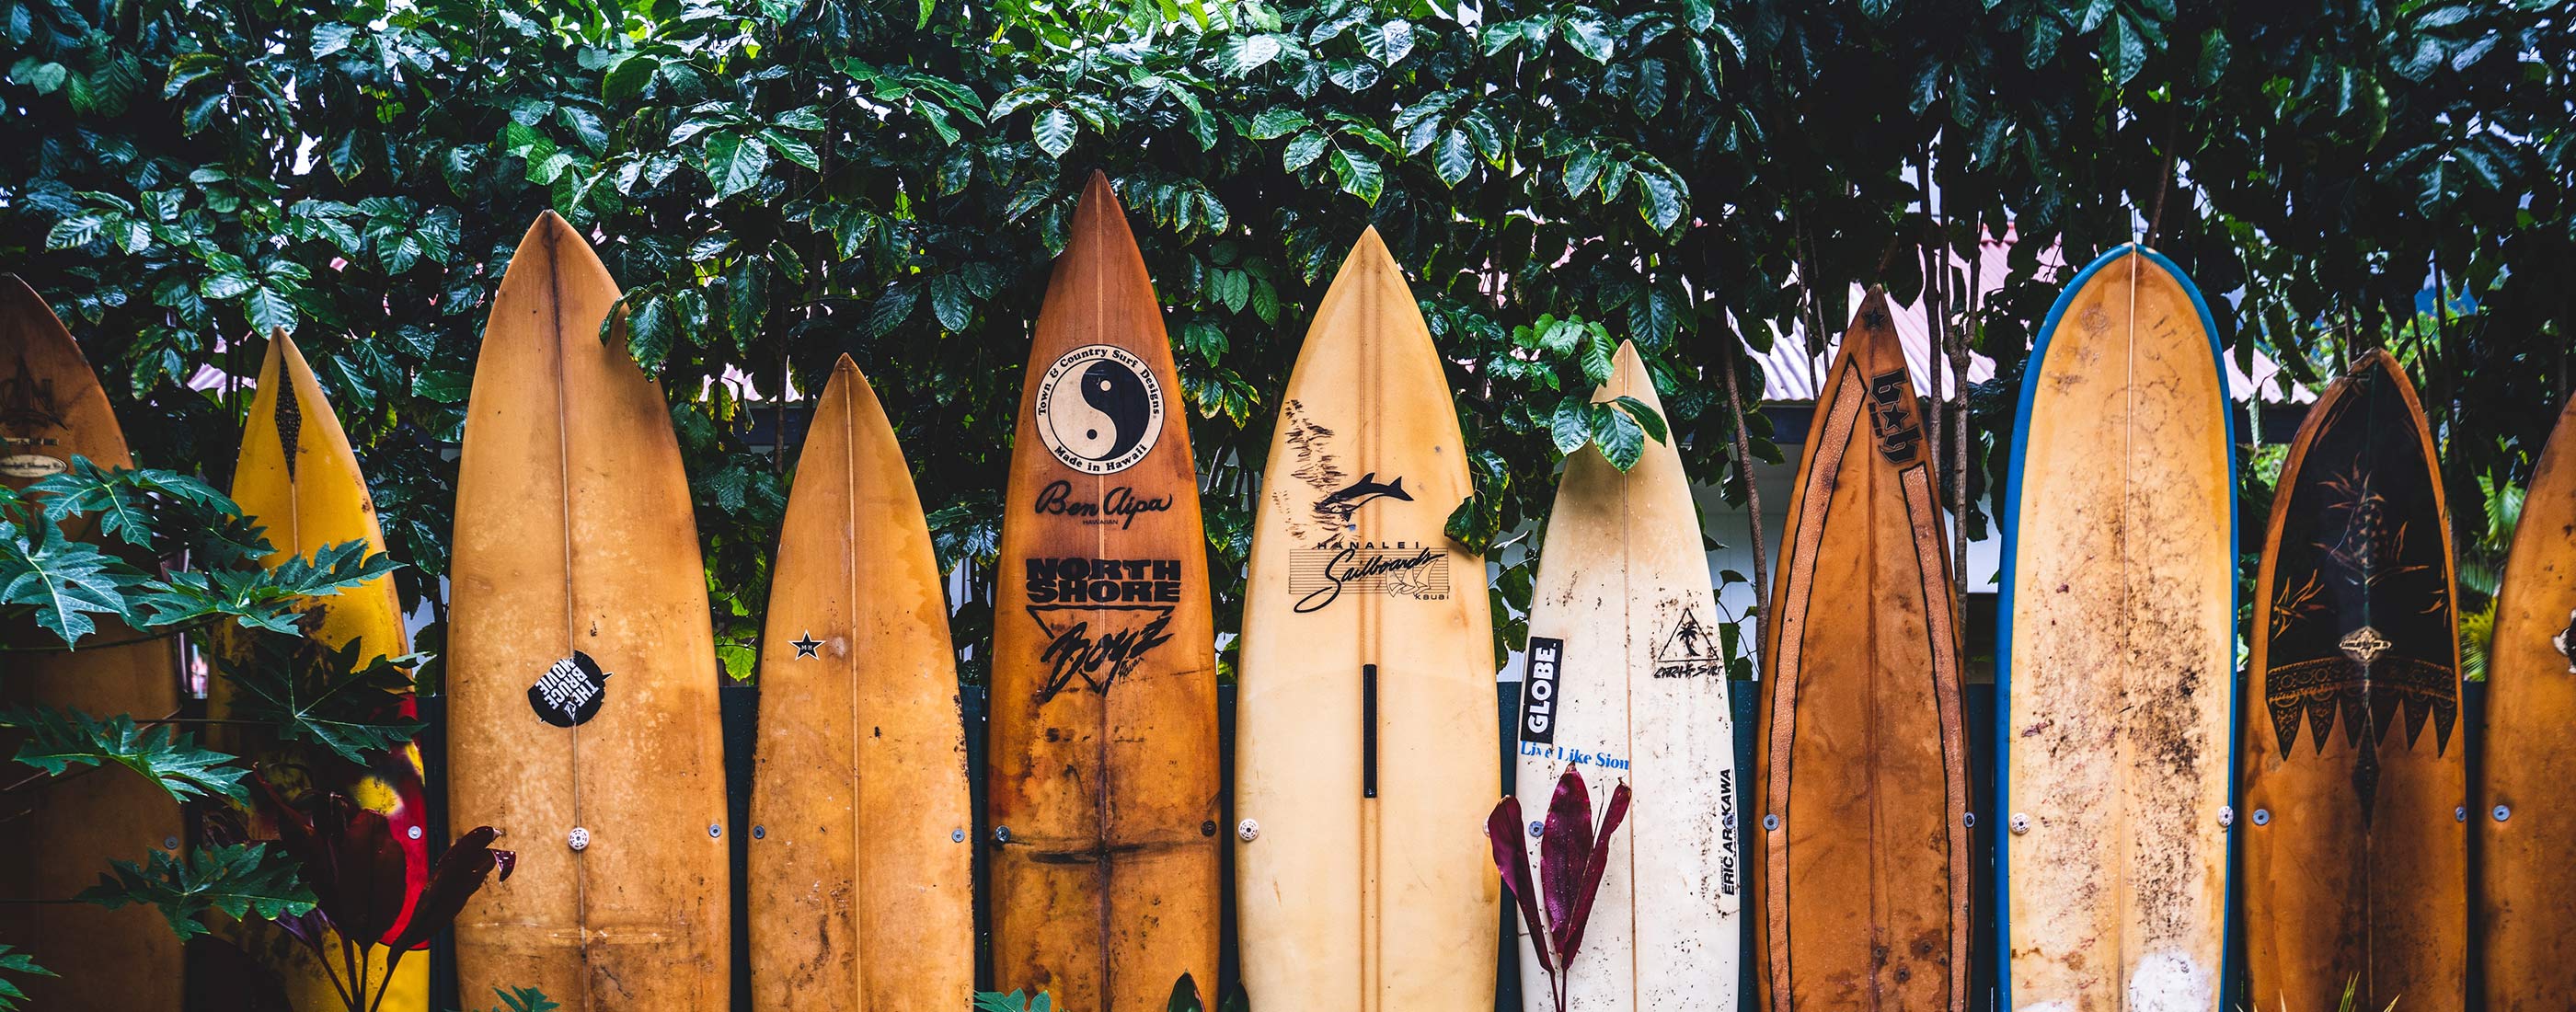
{"x": 1099, "y": 409}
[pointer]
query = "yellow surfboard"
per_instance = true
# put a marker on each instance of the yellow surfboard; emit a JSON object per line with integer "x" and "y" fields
{"x": 1365, "y": 760}
{"x": 298, "y": 478}
{"x": 57, "y": 839}
{"x": 861, "y": 890}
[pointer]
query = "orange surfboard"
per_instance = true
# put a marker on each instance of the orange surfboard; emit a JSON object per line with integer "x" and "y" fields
{"x": 862, "y": 885}
{"x": 2356, "y": 859}
{"x": 1103, "y": 764}
{"x": 2526, "y": 907}
{"x": 57, "y": 839}
{"x": 581, "y": 666}
{"x": 1862, "y": 787}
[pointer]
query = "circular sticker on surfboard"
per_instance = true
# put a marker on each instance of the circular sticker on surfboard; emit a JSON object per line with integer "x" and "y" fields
{"x": 1099, "y": 409}
{"x": 569, "y": 691}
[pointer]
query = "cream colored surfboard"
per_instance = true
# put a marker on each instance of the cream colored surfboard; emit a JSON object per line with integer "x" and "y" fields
{"x": 1365, "y": 757}
{"x": 1626, "y": 682}
{"x": 581, "y": 672}
{"x": 2117, "y": 677}
{"x": 862, "y": 888}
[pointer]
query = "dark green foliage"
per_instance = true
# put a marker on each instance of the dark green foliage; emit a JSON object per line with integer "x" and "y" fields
{"x": 243, "y": 879}
{"x": 58, "y": 740}
{"x": 11, "y": 998}
{"x": 346, "y": 700}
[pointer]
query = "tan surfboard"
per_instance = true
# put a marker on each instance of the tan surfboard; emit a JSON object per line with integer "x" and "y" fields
{"x": 2356, "y": 858}
{"x": 297, "y": 477}
{"x": 581, "y": 670}
{"x": 1365, "y": 748}
{"x": 1625, "y": 681}
{"x": 1863, "y": 782}
{"x": 2116, "y": 666}
{"x": 861, "y": 895}
{"x": 1103, "y": 771}
{"x": 2526, "y": 893}
{"x": 57, "y": 839}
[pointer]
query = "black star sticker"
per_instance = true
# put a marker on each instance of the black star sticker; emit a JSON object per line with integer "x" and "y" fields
{"x": 805, "y": 647}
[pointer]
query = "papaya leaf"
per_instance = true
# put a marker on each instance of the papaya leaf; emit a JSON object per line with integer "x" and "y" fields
{"x": 60, "y": 582}
{"x": 244, "y": 879}
{"x": 348, "y": 700}
{"x": 58, "y": 740}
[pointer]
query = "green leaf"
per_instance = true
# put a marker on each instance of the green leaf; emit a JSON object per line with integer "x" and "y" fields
{"x": 1389, "y": 42}
{"x": 1456, "y": 158}
{"x": 627, "y": 78}
{"x": 348, "y": 700}
{"x": 1570, "y": 425}
{"x": 269, "y": 310}
{"x": 951, "y": 302}
{"x": 529, "y": 999}
{"x": 734, "y": 163}
{"x": 1621, "y": 441}
{"x": 1302, "y": 150}
{"x": 58, "y": 740}
{"x": 11, "y": 961}
{"x": 1663, "y": 204}
{"x": 241, "y": 880}
{"x": 1597, "y": 352}
{"x": 271, "y": 599}
{"x": 60, "y": 582}
{"x": 1054, "y": 131}
{"x": 794, "y": 148}
{"x": 1244, "y": 54}
{"x": 2123, "y": 49}
{"x": 1647, "y": 418}
{"x": 1277, "y": 121}
{"x": 76, "y": 230}
{"x": 1358, "y": 176}
{"x": 1590, "y": 38}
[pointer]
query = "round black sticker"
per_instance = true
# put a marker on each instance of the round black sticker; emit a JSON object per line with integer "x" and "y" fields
{"x": 569, "y": 692}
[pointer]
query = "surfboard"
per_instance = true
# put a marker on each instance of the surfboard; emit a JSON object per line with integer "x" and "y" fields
{"x": 1862, "y": 786}
{"x": 581, "y": 678}
{"x": 298, "y": 478}
{"x": 2526, "y": 901}
{"x": 861, "y": 891}
{"x": 1103, "y": 774}
{"x": 57, "y": 839}
{"x": 1365, "y": 739}
{"x": 1625, "y": 681}
{"x": 2356, "y": 859}
{"x": 2115, "y": 666}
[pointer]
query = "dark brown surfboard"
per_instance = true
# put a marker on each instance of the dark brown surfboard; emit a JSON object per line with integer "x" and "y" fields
{"x": 2526, "y": 895}
{"x": 1103, "y": 766}
{"x": 2354, "y": 777}
{"x": 58, "y": 837}
{"x": 1862, "y": 783}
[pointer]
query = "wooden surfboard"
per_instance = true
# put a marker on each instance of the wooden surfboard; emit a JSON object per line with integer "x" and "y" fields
{"x": 2115, "y": 654}
{"x": 1863, "y": 781}
{"x": 1103, "y": 766}
{"x": 57, "y": 839}
{"x": 1365, "y": 742}
{"x": 2356, "y": 861}
{"x": 862, "y": 885}
{"x": 297, "y": 476}
{"x": 1626, "y": 682}
{"x": 581, "y": 665}
{"x": 2526, "y": 906}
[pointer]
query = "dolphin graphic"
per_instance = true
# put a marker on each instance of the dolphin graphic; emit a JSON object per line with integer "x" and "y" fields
{"x": 1347, "y": 501}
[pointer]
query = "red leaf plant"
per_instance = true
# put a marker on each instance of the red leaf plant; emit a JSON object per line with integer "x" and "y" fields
{"x": 362, "y": 882}
{"x": 1570, "y": 862}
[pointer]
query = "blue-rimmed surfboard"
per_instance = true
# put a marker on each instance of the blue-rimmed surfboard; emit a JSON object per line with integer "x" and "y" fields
{"x": 2115, "y": 659}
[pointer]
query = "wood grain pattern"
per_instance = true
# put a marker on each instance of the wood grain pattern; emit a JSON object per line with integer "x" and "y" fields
{"x": 2526, "y": 905}
{"x": 1103, "y": 762}
{"x": 1863, "y": 778}
{"x": 1368, "y": 886}
{"x": 861, "y": 889}
{"x": 2118, "y": 641}
{"x": 298, "y": 477}
{"x": 57, "y": 839}
{"x": 2356, "y": 861}
{"x": 1638, "y": 694}
{"x": 574, "y": 534}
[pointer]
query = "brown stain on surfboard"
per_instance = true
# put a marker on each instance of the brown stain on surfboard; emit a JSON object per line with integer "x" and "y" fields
{"x": 861, "y": 888}
{"x": 58, "y": 837}
{"x": 575, "y": 537}
{"x": 1862, "y": 761}
{"x": 1103, "y": 769}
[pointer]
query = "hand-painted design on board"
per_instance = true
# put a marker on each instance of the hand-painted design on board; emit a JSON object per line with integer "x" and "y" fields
{"x": 1891, "y": 396}
{"x": 1690, "y": 649}
{"x": 1395, "y": 568}
{"x": 290, "y": 422}
{"x": 1099, "y": 409}
{"x": 569, "y": 691}
{"x": 1097, "y": 645}
{"x": 2360, "y": 615}
{"x": 28, "y": 411}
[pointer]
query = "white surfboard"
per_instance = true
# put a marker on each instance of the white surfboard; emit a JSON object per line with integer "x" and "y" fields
{"x": 1625, "y": 680}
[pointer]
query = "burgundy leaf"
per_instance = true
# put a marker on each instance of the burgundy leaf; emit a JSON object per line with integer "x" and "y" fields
{"x": 1592, "y": 870}
{"x": 460, "y": 873}
{"x": 1563, "y": 848}
{"x": 357, "y": 871}
{"x": 1511, "y": 858}
{"x": 307, "y": 927}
